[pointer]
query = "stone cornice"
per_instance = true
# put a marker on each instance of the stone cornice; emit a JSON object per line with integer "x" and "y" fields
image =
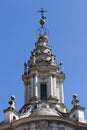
{"x": 42, "y": 47}
{"x": 60, "y": 76}
{"x": 61, "y": 120}
{"x": 51, "y": 67}
{"x": 77, "y": 108}
{"x": 11, "y": 109}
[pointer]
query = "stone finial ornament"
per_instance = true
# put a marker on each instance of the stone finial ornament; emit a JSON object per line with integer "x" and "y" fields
{"x": 12, "y": 102}
{"x": 61, "y": 66}
{"x": 75, "y": 100}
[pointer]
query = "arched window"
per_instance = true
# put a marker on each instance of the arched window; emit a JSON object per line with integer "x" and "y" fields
{"x": 43, "y": 92}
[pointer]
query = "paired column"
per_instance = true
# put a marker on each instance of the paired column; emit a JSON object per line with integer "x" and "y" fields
{"x": 34, "y": 86}
{"x": 59, "y": 92}
{"x": 52, "y": 85}
{"x": 31, "y": 88}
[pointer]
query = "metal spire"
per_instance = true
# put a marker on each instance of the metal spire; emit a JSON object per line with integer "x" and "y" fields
{"x": 42, "y": 30}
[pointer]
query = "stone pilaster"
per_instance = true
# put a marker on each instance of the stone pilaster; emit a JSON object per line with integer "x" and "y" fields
{"x": 61, "y": 93}
{"x": 36, "y": 85}
{"x": 54, "y": 85}
{"x": 51, "y": 85}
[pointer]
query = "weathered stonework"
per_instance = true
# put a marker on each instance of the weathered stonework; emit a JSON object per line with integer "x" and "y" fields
{"x": 44, "y": 107}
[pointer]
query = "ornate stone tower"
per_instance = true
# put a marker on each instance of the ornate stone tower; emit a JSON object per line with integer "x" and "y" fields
{"x": 43, "y": 78}
{"x": 44, "y": 107}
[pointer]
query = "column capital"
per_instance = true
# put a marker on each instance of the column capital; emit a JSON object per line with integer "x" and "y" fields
{"x": 60, "y": 77}
{"x": 52, "y": 74}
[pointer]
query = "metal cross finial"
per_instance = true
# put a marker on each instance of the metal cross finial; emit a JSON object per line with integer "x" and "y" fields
{"x": 42, "y": 11}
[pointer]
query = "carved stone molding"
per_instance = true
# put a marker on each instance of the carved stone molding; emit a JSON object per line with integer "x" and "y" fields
{"x": 43, "y": 125}
{"x": 42, "y": 77}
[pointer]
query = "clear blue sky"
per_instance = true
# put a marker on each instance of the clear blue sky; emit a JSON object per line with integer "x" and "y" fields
{"x": 67, "y": 24}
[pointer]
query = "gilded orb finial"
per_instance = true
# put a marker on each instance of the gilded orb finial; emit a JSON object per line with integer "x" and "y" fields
{"x": 42, "y": 22}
